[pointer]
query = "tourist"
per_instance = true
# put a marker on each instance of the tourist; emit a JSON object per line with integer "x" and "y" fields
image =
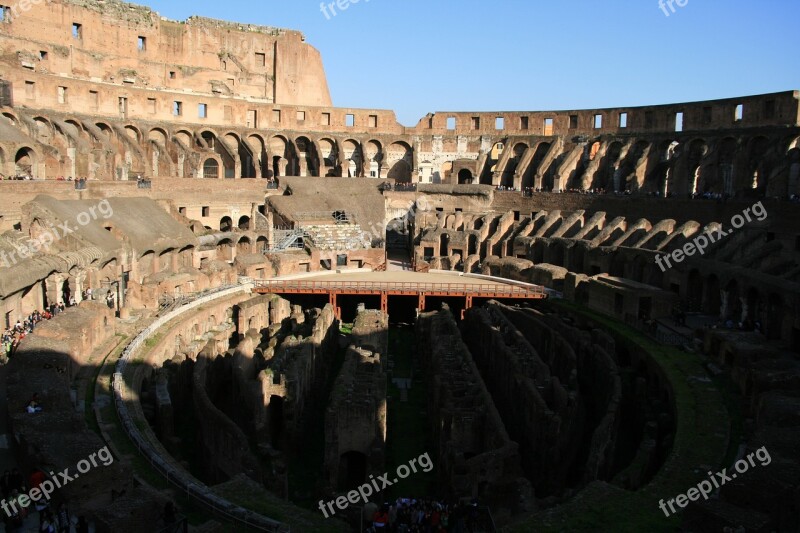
{"x": 381, "y": 519}
{"x": 33, "y": 405}
{"x": 63, "y": 519}
{"x": 46, "y": 522}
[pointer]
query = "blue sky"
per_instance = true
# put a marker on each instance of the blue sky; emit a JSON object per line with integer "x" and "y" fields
{"x": 419, "y": 56}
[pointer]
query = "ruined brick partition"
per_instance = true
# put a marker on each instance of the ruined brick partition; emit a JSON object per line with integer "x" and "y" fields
{"x": 355, "y": 420}
{"x": 475, "y": 455}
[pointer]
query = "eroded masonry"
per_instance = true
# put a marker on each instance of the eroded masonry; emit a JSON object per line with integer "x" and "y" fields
{"x": 269, "y": 300}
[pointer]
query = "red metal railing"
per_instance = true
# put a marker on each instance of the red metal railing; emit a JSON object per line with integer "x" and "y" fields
{"x": 377, "y": 287}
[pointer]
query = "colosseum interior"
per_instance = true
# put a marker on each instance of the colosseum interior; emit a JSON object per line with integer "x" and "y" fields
{"x": 259, "y": 302}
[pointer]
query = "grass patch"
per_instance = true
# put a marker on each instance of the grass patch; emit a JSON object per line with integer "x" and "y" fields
{"x": 89, "y": 413}
{"x": 408, "y": 432}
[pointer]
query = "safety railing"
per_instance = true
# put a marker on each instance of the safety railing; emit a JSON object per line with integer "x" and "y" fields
{"x": 389, "y": 286}
{"x": 178, "y": 477}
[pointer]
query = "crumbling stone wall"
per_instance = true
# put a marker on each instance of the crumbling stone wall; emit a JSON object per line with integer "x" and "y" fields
{"x": 476, "y": 457}
{"x": 355, "y": 420}
{"x": 542, "y": 411}
{"x": 297, "y": 371}
{"x": 223, "y": 445}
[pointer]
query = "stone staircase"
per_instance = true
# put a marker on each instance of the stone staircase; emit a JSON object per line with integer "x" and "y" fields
{"x": 338, "y": 237}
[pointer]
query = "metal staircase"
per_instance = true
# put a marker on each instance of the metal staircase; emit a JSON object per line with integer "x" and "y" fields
{"x": 292, "y": 239}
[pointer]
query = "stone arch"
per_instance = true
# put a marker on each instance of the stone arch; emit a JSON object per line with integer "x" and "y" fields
{"x": 225, "y": 249}
{"x": 25, "y": 162}
{"x": 244, "y": 223}
{"x": 401, "y": 161}
{"x": 258, "y": 147}
{"x": 374, "y": 154}
{"x": 697, "y": 151}
{"x": 465, "y": 176}
{"x": 185, "y": 136}
{"x": 244, "y": 245}
{"x": 44, "y": 131}
{"x": 329, "y": 158}
{"x": 133, "y": 133}
{"x": 282, "y": 163}
{"x": 158, "y": 135}
{"x": 242, "y": 158}
{"x": 593, "y": 149}
{"x": 225, "y": 223}
{"x": 211, "y": 168}
{"x": 105, "y": 129}
{"x": 307, "y": 156}
{"x": 629, "y": 179}
{"x": 12, "y": 118}
{"x": 725, "y": 164}
{"x": 758, "y": 167}
{"x": 353, "y": 159}
{"x": 353, "y": 466}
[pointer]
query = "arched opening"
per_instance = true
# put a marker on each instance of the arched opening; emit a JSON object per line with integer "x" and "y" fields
{"x": 465, "y": 176}
{"x": 283, "y": 161}
{"x": 374, "y": 153}
{"x": 353, "y": 159}
{"x": 225, "y": 224}
{"x": 329, "y": 158}
{"x": 24, "y": 162}
{"x": 211, "y": 169}
{"x": 260, "y": 159}
{"x": 225, "y": 250}
{"x": 401, "y": 161}
{"x": 244, "y": 223}
{"x": 243, "y": 246}
{"x": 307, "y": 157}
{"x": 725, "y": 167}
{"x": 758, "y": 168}
{"x": 472, "y": 244}
{"x": 697, "y": 151}
{"x": 352, "y": 470}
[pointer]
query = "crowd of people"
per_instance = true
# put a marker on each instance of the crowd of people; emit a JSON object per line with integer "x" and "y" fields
{"x": 406, "y": 515}
{"x": 51, "y": 519}
{"x": 14, "y": 334}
